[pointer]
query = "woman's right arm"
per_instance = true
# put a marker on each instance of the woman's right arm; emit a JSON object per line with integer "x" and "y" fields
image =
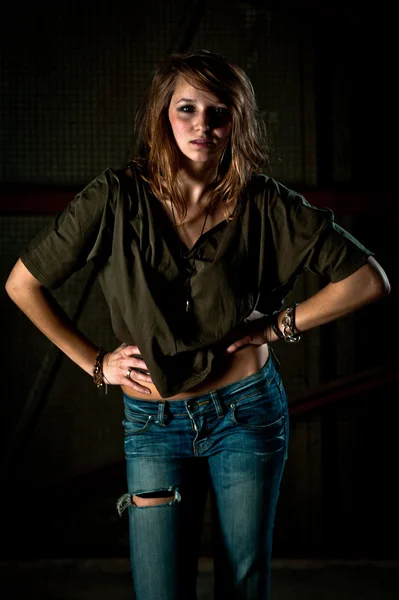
{"x": 40, "y": 307}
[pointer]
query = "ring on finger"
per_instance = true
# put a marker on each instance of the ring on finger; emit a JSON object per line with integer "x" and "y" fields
{"x": 129, "y": 372}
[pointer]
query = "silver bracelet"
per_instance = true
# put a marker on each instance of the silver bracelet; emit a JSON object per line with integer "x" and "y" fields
{"x": 288, "y": 324}
{"x": 288, "y": 333}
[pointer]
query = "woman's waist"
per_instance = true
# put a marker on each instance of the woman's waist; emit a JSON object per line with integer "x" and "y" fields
{"x": 226, "y": 370}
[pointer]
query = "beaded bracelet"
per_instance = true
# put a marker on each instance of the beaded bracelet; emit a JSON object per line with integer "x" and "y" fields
{"x": 98, "y": 375}
{"x": 288, "y": 322}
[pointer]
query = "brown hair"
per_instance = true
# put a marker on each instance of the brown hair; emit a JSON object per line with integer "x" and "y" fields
{"x": 157, "y": 148}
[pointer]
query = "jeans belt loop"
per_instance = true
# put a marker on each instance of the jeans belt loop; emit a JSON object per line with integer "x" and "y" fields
{"x": 217, "y": 404}
{"x": 161, "y": 413}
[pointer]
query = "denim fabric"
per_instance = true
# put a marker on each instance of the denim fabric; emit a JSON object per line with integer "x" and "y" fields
{"x": 233, "y": 441}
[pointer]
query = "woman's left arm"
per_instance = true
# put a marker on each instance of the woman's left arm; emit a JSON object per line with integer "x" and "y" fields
{"x": 335, "y": 300}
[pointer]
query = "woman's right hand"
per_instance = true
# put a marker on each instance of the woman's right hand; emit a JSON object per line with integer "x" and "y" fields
{"x": 120, "y": 368}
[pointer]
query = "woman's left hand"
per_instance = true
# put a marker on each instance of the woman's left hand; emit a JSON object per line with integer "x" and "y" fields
{"x": 256, "y": 331}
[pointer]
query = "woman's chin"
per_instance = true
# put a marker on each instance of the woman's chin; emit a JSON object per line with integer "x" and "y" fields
{"x": 202, "y": 157}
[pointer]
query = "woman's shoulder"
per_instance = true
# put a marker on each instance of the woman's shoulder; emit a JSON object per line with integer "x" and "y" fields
{"x": 265, "y": 191}
{"x": 134, "y": 169}
{"x": 117, "y": 184}
{"x": 265, "y": 184}
{"x": 110, "y": 192}
{"x": 115, "y": 175}
{"x": 268, "y": 192}
{"x": 132, "y": 177}
{"x": 284, "y": 207}
{"x": 103, "y": 186}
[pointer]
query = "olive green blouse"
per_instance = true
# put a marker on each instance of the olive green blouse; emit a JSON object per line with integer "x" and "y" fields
{"x": 248, "y": 263}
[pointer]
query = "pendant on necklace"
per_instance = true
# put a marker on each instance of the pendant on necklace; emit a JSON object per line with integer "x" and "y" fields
{"x": 188, "y": 305}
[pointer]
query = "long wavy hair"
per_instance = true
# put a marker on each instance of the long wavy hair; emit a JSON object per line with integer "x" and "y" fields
{"x": 157, "y": 154}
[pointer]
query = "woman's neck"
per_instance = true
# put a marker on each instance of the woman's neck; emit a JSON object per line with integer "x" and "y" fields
{"x": 196, "y": 180}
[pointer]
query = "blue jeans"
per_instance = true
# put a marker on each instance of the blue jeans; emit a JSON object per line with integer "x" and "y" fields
{"x": 231, "y": 441}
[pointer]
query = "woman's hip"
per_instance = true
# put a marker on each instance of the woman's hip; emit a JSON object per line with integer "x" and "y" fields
{"x": 249, "y": 412}
{"x": 226, "y": 370}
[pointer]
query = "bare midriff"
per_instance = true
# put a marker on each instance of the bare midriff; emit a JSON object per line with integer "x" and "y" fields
{"x": 240, "y": 364}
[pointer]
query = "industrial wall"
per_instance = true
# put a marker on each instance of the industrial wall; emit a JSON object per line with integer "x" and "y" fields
{"x": 71, "y": 81}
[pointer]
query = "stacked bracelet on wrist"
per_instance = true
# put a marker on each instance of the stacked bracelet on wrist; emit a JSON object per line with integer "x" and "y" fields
{"x": 288, "y": 333}
{"x": 98, "y": 375}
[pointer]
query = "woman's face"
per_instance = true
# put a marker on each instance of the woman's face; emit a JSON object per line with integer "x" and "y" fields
{"x": 200, "y": 121}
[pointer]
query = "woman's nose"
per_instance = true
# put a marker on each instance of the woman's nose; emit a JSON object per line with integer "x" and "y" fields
{"x": 202, "y": 121}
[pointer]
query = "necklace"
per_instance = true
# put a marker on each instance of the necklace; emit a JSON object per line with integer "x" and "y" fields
{"x": 189, "y": 269}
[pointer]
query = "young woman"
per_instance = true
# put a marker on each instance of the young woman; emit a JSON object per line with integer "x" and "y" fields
{"x": 196, "y": 251}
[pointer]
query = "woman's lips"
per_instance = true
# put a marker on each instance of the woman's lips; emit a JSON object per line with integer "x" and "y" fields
{"x": 202, "y": 143}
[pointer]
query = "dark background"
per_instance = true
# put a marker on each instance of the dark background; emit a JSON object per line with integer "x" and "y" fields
{"x": 71, "y": 77}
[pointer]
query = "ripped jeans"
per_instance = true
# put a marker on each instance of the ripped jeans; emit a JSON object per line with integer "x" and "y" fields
{"x": 231, "y": 441}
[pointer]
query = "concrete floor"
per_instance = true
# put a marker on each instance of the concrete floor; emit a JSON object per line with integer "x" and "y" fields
{"x": 110, "y": 580}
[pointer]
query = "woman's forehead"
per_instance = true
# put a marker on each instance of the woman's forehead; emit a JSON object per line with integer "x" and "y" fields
{"x": 188, "y": 91}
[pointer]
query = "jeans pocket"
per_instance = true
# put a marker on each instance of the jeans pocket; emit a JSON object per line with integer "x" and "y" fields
{"x": 261, "y": 410}
{"x": 254, "y": 419}
{"x": 136, "y": 423}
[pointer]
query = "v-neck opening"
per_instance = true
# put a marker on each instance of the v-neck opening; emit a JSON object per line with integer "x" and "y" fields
{"x": 205, "y": 234}
{"x": 160, "y": 217}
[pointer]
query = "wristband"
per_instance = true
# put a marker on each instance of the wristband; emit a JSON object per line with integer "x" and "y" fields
{"x": 98, "y": 375}
{"x": 288, "y": 322}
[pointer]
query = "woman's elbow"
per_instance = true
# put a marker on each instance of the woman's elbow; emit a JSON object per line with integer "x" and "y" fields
{"x": 14, "y": 288}
{"x": 379, "y": 282}
{"x": 12, "y": 285}
{"x": 20, "y": 281}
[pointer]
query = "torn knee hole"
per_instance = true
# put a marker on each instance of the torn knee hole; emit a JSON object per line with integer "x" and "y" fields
{"x": 163, "y": 497}
{"x": 153, "y": 498}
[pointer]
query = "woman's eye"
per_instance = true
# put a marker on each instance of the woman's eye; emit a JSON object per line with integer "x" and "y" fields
{"x": 219, "y": 110}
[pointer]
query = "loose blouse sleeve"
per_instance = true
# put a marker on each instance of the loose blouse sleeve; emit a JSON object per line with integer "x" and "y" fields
{"x": 306, "y": 238}
{"x": 79, "y": 234}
